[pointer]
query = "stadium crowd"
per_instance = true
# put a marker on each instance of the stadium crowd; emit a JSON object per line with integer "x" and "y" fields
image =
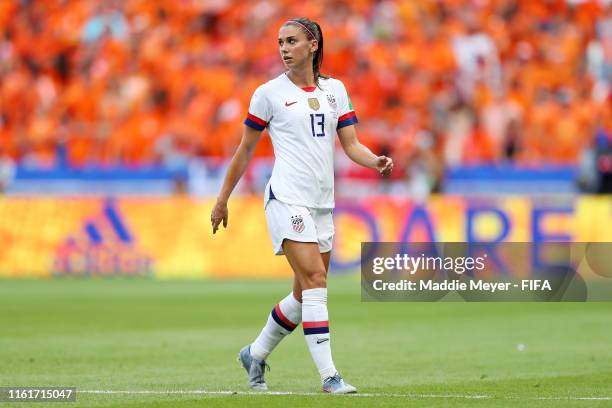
{"x": 434, "y": 83}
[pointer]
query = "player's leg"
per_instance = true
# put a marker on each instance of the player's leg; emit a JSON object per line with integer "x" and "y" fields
{"x": 334, "y": 384}
{"x": 282, "y": 320}
{"x": 286, "y": 315}
{"x": 310, "y": 268}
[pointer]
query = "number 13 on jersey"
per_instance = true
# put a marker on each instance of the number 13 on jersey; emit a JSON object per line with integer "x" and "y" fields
{"x": 317, "y": 124}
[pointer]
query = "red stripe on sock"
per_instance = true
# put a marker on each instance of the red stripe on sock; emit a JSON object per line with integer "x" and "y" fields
{"x": 314, "y": 325}
{"x": 284, "y": 318}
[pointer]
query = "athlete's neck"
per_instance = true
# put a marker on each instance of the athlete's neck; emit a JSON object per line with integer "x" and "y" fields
{"x": 302, "y": 78}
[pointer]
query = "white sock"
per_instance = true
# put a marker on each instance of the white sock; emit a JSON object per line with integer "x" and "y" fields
{"x": 316, "y": 330}
{"x": 283, "y": 319}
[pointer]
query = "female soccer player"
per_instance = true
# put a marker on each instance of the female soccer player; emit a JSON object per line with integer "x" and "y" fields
{"x": 302, "y": 110}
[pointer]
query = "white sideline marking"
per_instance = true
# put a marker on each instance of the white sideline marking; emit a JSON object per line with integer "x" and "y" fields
{"x": 376, "y": 394}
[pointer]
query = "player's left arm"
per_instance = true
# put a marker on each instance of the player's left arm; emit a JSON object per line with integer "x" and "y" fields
{"x": 360, "y": 154}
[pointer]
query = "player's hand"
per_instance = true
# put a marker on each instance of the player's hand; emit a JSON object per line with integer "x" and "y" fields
{"x": 219, "y": 213}
{"x": 384, "y": 165}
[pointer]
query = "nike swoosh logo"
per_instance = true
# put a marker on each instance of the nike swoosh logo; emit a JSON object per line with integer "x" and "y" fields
{"x": 319, "y": 341}
{"x": 289, "y": 103}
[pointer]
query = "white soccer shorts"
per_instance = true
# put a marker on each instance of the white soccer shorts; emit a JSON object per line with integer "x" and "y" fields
{"x": 297, "y": 223}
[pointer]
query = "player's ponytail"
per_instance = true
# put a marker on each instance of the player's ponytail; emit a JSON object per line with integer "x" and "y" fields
{"x": 317, "y": 60}
{"x": 313, "y": 32}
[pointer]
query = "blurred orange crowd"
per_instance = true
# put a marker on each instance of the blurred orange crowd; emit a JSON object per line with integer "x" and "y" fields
{"x": 139, "y": 82}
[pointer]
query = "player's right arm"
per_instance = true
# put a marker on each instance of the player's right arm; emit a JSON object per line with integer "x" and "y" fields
{"x": 236, "y": 169}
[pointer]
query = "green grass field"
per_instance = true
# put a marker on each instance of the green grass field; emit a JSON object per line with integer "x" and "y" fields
{"x": 183, "y": 337}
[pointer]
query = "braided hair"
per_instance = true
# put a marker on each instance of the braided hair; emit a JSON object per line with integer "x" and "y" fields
{"x": 313, "y": 32}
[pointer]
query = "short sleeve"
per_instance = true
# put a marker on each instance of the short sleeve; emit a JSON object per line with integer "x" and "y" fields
{"x": 260, "y": 111}
{"x": 346, "y": 112}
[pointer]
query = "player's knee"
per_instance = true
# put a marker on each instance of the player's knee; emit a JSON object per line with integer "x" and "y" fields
{"x": 314, "y": 278}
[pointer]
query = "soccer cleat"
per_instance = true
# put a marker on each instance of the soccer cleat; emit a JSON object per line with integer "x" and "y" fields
{"x": 336, "y": 385}
{"x": 254, "y": 368}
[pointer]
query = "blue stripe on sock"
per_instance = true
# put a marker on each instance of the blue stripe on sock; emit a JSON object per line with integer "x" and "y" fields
{"x": 316, "y": 330}
{"x": 280, "y": 322}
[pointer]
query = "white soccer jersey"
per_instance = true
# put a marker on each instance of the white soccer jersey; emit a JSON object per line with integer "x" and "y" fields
{"x": 302, "y": 123}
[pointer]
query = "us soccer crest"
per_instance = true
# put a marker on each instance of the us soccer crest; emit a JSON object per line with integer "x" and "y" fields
{"x": 331, "y": 99}
{"x": 298, "y": 223}
{"x": 314, "y": 103}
